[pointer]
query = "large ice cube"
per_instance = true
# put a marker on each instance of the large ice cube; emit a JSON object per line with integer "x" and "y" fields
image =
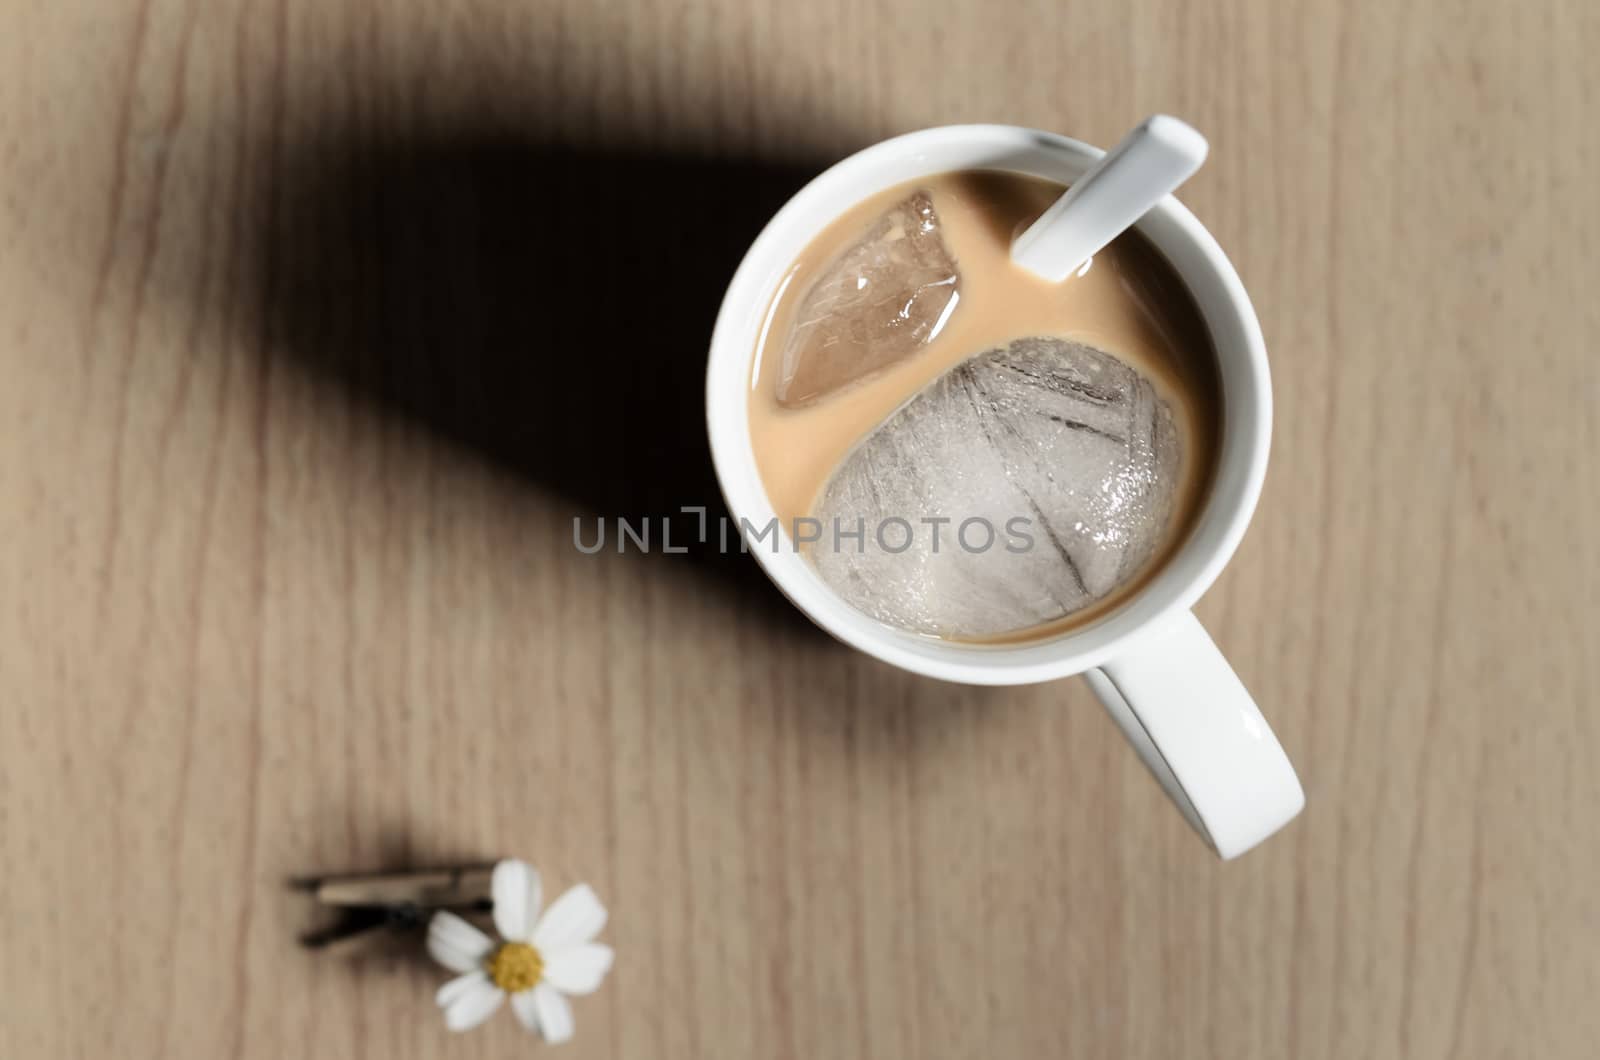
{"x": 881, "y": 299}
{"x": 1060, "y": 441}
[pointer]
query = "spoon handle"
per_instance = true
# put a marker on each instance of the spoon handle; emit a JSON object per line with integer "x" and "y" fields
{"x": 1150, "y": 162}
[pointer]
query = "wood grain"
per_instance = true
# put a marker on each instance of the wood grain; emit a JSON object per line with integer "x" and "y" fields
{"x": 309, "y": 362}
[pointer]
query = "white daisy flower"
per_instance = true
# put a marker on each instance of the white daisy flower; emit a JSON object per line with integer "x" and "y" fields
{"x": 542, "y": 960}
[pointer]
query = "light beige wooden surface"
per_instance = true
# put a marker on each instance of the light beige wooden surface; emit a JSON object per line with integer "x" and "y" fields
{"x": 304, "y": 373}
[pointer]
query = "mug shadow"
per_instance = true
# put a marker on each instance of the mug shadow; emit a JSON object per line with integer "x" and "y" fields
{"x": 547, "y": 308}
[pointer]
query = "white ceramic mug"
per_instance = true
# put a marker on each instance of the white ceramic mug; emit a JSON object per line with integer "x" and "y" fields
{"x": 1149, "y": 661}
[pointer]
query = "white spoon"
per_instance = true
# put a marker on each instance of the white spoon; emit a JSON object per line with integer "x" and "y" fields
{"x": 1149, "y": 163}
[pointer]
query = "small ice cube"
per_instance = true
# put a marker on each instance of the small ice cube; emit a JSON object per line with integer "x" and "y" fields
{"x": 883, "y": 298}
{"x": 1059, "y": 441}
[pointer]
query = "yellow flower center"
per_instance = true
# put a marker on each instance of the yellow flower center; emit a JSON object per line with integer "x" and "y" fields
{"x": 516, "y": 966}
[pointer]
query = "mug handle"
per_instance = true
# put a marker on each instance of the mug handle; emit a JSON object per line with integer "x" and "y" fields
{"x": 1191, "y": 720}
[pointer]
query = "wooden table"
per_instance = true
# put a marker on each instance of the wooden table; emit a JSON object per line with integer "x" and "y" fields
{"x": 320, "y": 322}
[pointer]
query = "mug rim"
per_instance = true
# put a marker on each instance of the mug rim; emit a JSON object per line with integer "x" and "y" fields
{"x": 1205, "y": 270}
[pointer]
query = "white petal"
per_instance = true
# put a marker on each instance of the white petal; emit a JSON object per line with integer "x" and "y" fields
{"x": 450, "y": 992}
{"x": 527, "y": 1014}
{"x": 554, "y": 1014}
{"x": 578, "y": 969}
{"x": 473, "y": 1004}
{"x": 456, "y": 944}
{"x": 576, "y": 917}
{"x": 515, "y": 887}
